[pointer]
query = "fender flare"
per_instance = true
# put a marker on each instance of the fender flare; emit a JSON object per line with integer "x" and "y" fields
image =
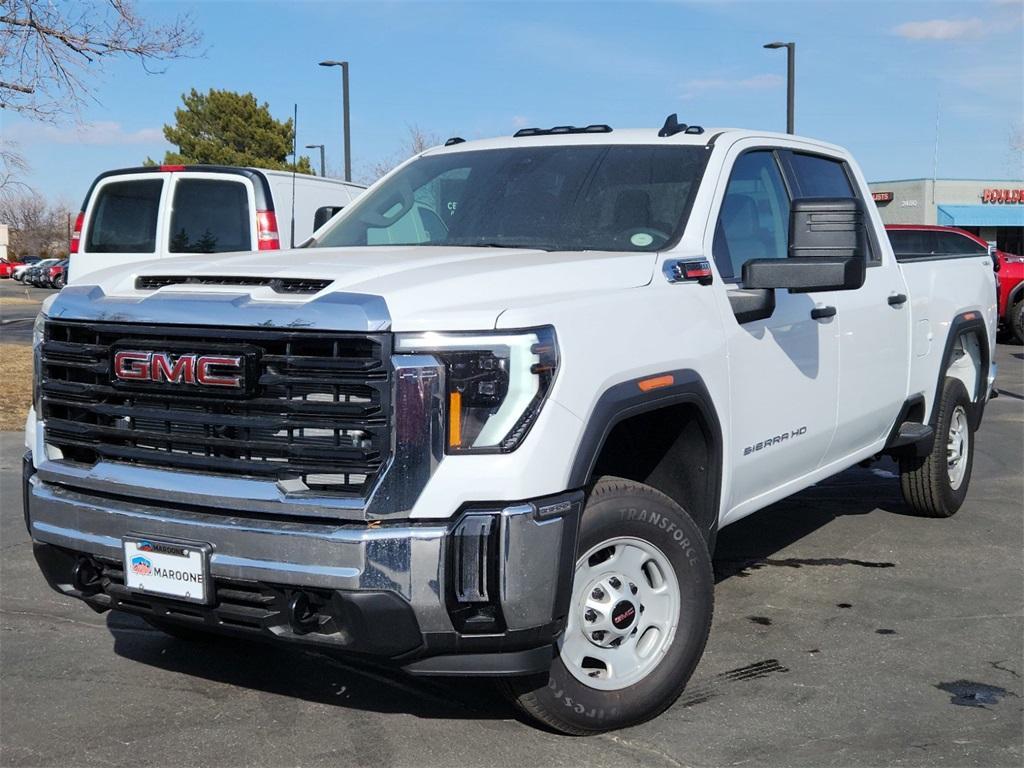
{"x": 963, "y": 323}
{"x": 625, "y": 400}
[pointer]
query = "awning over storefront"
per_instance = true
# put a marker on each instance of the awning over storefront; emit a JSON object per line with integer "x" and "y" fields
{"x": 1008, "y": 215}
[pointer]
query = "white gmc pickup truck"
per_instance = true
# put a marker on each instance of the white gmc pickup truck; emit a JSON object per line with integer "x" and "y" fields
{"x": 489, "y": 420}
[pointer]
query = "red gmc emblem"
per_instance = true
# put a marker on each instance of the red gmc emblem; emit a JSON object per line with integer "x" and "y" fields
{"x": 141, "y": 366}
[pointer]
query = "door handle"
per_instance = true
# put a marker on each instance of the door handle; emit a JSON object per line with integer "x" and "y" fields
{"x": 897, "y": 299}
{"x": 819, "y": 313}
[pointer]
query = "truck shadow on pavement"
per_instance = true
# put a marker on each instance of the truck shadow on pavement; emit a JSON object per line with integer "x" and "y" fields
{"x": 301, "y": 674}
{"x": 742, "y": 548}
{"x": 749, "y": 544}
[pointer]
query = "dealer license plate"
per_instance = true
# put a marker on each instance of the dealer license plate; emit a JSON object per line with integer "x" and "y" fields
{"x": 167, "y": 568}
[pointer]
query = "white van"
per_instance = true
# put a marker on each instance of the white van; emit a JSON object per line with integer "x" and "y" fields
{"x": 138, "y": 214}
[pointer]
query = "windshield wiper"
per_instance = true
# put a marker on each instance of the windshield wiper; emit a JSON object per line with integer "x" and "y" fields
{"x": 494, "y": 244}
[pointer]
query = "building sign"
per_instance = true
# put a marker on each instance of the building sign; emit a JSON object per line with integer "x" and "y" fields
{"x": 882, "y": 197}
{"x": 1002, "y": 196}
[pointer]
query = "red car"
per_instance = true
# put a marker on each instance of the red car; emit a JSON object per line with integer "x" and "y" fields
{"x": 924, "y": 240}
{"x": 6, "y": 268}
{"x": 57, "y": 275}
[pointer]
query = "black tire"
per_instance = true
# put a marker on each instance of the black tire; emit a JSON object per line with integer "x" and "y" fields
{"x": 623, "y": 508}
{"x": 58, "y": 282}
{"x": 925, "y": 480}
{"x": 181, "y": 631}
{"x": 1017, "y": 322}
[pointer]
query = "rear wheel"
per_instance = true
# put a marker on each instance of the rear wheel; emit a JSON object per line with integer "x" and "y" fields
{"x": 639, "y": 617}
{"x": 936, "y": 485}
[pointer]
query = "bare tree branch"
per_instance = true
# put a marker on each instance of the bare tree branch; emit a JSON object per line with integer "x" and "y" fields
{"x": 12, "y": 167}
{"x": 37, "y": 228}
{"x": 416, "y": 142}
{"x": 50, "y": 51}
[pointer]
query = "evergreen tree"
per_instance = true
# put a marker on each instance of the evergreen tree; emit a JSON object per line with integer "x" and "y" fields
{"x": 228, "y": 128}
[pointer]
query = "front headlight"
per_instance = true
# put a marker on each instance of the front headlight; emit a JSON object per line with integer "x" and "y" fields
{"x": 38, "y": 335}
{"x": 37, "y": 330}
{"x": 496, "y": 383}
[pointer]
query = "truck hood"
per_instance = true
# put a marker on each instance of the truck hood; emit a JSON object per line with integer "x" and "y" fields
{"x": 424, "y": 287}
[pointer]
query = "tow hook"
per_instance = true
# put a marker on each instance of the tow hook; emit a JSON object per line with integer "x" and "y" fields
{"x": 301, "y": 616}
{"x": 85, "y": 577}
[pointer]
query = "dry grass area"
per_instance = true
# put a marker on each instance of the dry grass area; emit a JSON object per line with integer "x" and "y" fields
{"x": 15, "y": 301}
{"x": 16, "y": 384}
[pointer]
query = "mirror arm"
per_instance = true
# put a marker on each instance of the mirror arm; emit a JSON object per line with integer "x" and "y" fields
{"x": 749, "y": 304}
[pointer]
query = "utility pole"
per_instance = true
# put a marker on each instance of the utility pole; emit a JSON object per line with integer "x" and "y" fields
{"x": 344, "y": 103}
{"x": 321, "y": 148}
{"x": 790, "y": 80}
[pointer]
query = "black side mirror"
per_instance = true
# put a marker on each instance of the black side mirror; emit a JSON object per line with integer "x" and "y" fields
{"x": 828, "y": 247}
{"x": 324, "y": 214}
{"x": 804, "y": 274}
{"x": 827, "y": 226}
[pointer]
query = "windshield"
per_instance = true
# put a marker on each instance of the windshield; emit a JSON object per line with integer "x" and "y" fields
{"x": 560, "y": 198}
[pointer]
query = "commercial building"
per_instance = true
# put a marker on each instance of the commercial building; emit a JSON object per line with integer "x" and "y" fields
{"x": 993, "y": 210}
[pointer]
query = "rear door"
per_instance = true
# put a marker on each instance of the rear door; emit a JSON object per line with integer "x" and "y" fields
{"x": 123, "y": 223}
{"x": 873, "y": 321}
{"x": 210, "y": 213}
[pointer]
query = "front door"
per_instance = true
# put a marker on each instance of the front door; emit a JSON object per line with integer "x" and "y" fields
{"x": 783, "y": 366}
{"x": 874, "y": 320}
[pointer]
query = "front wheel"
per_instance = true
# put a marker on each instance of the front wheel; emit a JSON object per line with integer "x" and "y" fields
{"x": 639, "y": 617}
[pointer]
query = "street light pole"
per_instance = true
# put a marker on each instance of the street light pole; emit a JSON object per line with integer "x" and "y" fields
{"x": 323, "y": 172}
{"x": 790, "y": 80}
{"x": 344, "y": 98}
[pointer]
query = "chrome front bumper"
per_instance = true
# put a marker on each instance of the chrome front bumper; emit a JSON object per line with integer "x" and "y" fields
{"x": 531, "y": 571}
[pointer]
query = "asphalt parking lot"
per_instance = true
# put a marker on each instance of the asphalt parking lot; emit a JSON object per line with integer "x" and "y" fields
{"x": 19, "y": 305}
{"x": 847, "y": 633}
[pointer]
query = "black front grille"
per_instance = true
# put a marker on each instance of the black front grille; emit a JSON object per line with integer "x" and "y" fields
{"x": 277, "y": 284}
{"x": 320, "y": 410}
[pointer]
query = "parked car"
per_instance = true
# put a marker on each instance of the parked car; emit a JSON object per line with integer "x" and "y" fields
{"x": 6, "y": 268}
{"x": 21, "y": 268}
{"x": 55, "y": 276}
{"x": 910, "y": 241}
{"x": 35, "y": 275}
{"x": 500, "y": 439}
{"x": 1011, "y": 294}
{"x": 137, "y": 214}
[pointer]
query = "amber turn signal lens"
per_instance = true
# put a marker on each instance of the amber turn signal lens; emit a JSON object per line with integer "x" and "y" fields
{"x": 657, "y": 382}
{"x": 455, "y": 420}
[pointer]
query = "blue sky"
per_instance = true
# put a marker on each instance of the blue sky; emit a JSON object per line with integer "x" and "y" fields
{"x": 870, "y": 75}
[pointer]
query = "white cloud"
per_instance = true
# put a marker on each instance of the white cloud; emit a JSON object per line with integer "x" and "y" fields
{"x": 101, "y": 132}
{"x": 692, "y": 88}
{"x": 520, "y": 121}
{"x": 941, "y": 29}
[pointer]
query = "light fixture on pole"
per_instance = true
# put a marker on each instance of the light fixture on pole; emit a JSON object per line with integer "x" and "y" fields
{"x": 790, "y": 79}
{"x": 344, "y": 100}
{"x": 323, "y": 172}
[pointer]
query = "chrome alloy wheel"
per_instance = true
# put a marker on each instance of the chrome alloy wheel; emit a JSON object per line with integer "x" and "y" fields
{"x": 623, "y": 616}
{"x": 958, "y": 445}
